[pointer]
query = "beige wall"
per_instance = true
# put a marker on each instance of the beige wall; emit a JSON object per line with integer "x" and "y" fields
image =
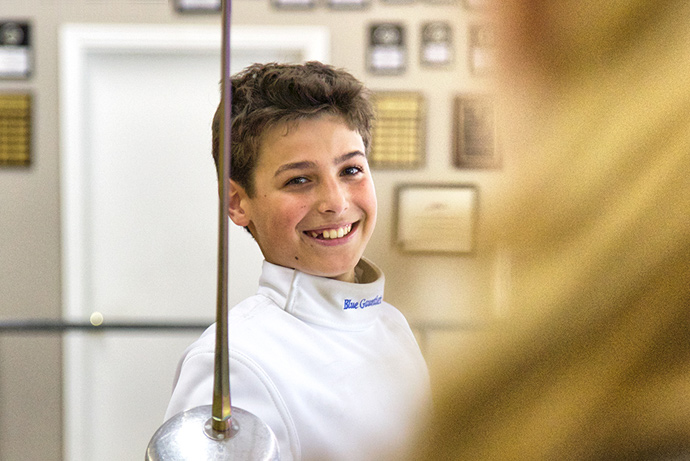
{"x": 426, "y": 288}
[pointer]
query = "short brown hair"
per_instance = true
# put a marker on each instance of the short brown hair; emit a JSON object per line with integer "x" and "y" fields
{"x": 264, "y": 95}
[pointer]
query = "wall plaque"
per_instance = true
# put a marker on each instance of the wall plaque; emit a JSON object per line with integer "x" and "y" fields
{"x": 15, "y": 129}
{"x": 436, "y": 218}
{"x": 475, "y": 137}
{"x": 15, "y": 50}
{"x": 348, "y": 4}
{"x": 398, "y": 135}
{"x": 198, "y": 6}
{"x": 437, "y": 44}
{"x": 293, "y": 4}
{"x": 386, "y": 53}
{"x": 481, "y": 49}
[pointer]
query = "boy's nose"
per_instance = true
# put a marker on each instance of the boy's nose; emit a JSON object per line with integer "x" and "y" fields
{"x": 332, "y": 198}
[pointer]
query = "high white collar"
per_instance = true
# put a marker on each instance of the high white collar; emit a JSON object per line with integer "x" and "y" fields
{"x": 323, "y": 301}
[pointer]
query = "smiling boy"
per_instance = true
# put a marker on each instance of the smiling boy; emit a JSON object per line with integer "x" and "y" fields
{"x": 317, "y": 354}
{"x": 314, "y": 205}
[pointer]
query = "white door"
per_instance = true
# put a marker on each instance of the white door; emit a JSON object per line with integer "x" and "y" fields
{"x": 139, "y": 213}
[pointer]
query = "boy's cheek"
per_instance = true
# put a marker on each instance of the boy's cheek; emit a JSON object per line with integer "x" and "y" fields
{"x": 287, "y": 217}
{"x": 365, "y": 186}
{"x": 367, "y": 195}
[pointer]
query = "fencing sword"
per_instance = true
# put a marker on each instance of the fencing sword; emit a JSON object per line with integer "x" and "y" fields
{"x": 218, "y": 431}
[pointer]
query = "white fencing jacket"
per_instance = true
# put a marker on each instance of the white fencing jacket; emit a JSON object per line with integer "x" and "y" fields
{"x": 332, "y": 369}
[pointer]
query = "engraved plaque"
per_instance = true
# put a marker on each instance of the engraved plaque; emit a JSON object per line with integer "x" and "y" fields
{"x": 437, "y": 44}
{"x": 198, "y": 6}
{"x": 386, "y": 53}
{"x": 481, "y": 57}
{"x": 436, "y": 218}
{"x": 398, "y": 136}
{"x": 293, "y": 4}
{"x": 15, "y": 50}
{"x": 348, "y": 4}
{"x": 15, "y": 129}
{"x": 475, "y": 139}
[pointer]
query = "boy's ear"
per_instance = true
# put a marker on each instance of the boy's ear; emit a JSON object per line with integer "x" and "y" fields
{"x": 238, "y": 205}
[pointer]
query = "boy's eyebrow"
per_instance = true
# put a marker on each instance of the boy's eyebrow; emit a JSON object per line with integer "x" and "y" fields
{"x": 294, "y": 166}
{"x": 348, "y": 156}
{"x": 308, "y": 164}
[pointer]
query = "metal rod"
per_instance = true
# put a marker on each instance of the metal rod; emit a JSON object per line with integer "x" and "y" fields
{"x": 60, "y": 326}
{"x": 221, "y": 408}
{"x": 53, "y": 325}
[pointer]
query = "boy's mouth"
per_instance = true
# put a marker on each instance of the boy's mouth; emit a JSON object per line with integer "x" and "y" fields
{"x": 330, "y": 234}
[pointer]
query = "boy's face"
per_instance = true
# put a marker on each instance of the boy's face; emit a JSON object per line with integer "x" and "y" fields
{"x": 314, "y": 206}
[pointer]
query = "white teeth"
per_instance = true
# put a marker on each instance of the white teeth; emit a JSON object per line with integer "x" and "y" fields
{"x": 333, "y": 233}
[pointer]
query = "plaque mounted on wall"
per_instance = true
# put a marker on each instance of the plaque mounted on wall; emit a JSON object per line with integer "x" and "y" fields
{"x": 348, "y": 4}
{"x": 475, "y": 138}
{"x": 398, "y": 134}
{"x": 481, "y": 53}
{"x": 198, "y": 6}
{"x": 15, "y": 129}
{"x": 386, "y": 52}
{"x": 436, "y": 218}
{"x": 16, "y": 55}
{"x": 293, "y": 4}
{"x": 437, "y": 44}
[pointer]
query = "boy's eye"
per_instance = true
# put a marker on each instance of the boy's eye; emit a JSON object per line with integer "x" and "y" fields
{"x": 297, "y": 181}
{"x": 351, "y": 171}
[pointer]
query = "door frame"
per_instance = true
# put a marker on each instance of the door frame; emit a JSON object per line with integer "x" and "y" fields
{"x": 79, "y": 43}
